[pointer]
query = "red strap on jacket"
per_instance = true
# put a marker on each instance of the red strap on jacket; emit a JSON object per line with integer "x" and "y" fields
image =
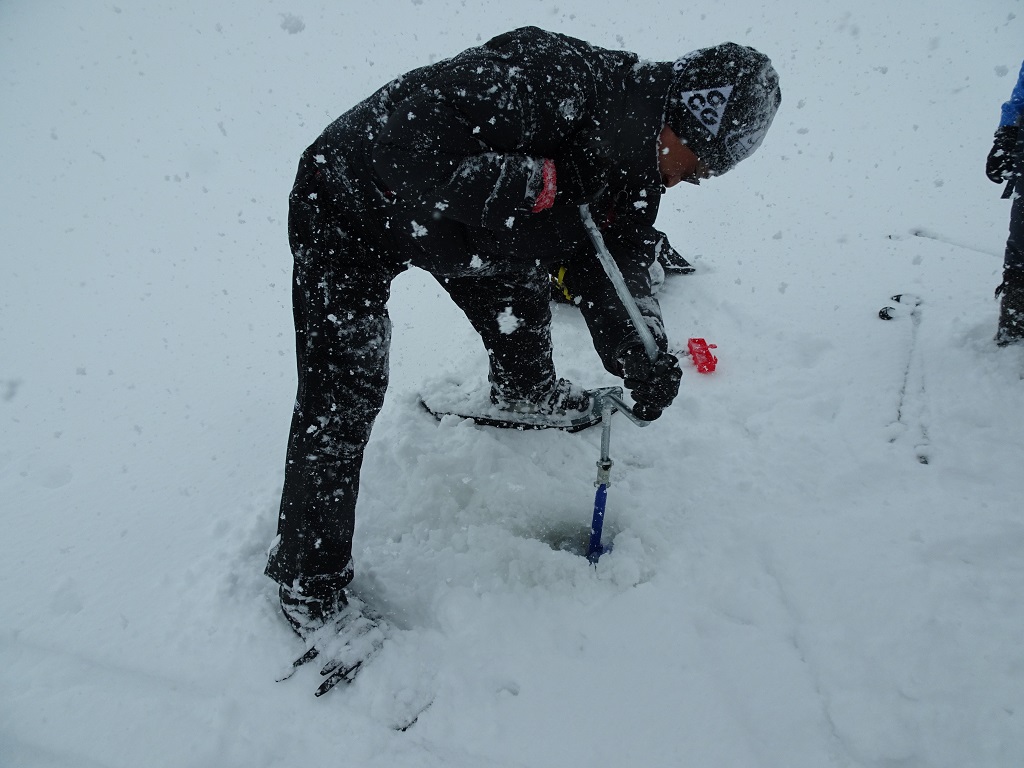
{"x": 549, "y": 184}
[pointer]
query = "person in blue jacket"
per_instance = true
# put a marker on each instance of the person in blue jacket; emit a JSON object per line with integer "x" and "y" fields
{"x": 1005, "y": 165}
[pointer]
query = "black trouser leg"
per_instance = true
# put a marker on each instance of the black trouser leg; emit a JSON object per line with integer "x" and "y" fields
{"x": 512, "y": 314}
{"x": 1013, "y": 260}
{"x": 1011, "y": 302}
{"x": 342, "y": 335}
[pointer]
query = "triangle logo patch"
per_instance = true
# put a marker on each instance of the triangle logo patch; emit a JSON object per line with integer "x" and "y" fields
{"x": 708, "y": 105}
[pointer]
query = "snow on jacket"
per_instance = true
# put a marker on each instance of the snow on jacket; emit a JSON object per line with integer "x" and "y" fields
{"x": 448, "y": 159}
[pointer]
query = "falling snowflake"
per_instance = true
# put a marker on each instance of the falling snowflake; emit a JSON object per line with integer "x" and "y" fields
{"x": 292, "y": 24}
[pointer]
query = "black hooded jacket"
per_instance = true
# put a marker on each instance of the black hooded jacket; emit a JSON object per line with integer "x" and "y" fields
{"x": 444, "y": 165}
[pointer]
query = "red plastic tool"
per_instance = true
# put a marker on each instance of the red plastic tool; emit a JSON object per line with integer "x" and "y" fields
{"x": 700, "y": 353}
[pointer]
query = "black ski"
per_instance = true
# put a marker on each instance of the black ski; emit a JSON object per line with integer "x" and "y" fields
{"x": 350, "y": 647}
{"x": 336, "y": 672}
{"x": 305, "y": 658}
{"x": 410, "y": 721}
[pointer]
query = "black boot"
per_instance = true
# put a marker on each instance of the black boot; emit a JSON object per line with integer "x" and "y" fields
{"x": 308, "y": 613}
{"x": 558, "y": 399}
{"x": 1011, "y": 311}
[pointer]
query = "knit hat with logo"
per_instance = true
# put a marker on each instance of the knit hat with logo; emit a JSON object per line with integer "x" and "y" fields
{"x": 722, "y": 101}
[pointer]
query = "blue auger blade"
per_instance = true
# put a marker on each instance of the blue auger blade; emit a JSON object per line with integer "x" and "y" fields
{"x": 595, "y": 550}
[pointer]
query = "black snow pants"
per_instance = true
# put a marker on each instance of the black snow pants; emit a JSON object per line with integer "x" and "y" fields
{"x": 341, "y": 285}
{"x": 512, "y": 314}
{"x": 342, "y": 282}
{"x": 1013, "y": 260}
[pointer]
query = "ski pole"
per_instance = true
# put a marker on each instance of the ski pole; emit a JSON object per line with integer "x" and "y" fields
{"x": 615, "y": 275}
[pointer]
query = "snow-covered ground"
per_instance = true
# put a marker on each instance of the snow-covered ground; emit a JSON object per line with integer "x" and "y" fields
{"x": 789, "y": 587}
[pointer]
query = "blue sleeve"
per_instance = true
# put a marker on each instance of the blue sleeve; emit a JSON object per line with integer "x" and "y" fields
{"x": 1014, "y": 108}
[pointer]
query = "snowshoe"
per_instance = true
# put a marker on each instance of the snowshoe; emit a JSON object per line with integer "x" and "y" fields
{"x": 564, "y": 406}
{"x": 344, "y": 641}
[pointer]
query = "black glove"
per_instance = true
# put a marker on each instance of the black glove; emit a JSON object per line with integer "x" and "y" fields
{"x": 653, "y": 385}
{"x": 582, "y": 173}
{"x": 999, "y": 167}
